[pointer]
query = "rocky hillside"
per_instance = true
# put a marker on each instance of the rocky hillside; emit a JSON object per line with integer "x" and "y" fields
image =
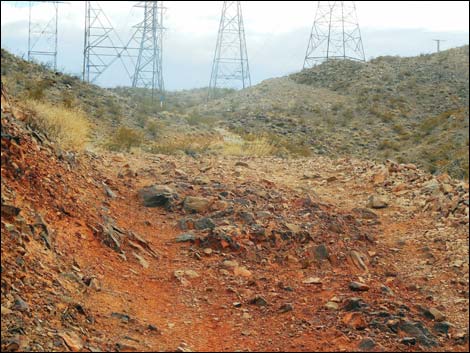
{"x": 408, "y": 109}
{"x": 155, "y": 252}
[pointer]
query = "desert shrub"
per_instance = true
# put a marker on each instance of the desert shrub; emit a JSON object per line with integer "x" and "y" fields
{"x": 35, "y": 89}
{"x": 154, "y": 128}
{"x": 195, "y": 119}
{"x": 188, "y": 144}
{"x": 124, "y": 139}
{"x": 69, "y": 128}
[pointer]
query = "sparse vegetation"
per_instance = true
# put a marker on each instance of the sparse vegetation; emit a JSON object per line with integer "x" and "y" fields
{"x": 69, "y": 128}
{"x": 124, "y": 139}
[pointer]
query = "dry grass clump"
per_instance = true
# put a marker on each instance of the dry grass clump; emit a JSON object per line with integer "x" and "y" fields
{"x": 68, "y": 127}
{"x": 124, "y": 139}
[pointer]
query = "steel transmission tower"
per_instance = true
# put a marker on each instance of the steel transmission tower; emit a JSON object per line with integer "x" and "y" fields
{"x": 42, "y": 39}
{"x": 148, "y": 37}
{"x": 102, "y": 46}
{"x": 231, "y": 58}
{"x": 335, "y": 34}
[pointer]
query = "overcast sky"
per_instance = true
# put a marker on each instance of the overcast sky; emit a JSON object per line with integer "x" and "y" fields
{"x": 277, "y": 33}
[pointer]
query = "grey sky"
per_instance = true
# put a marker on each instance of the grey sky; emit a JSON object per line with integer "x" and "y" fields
{"x": 277, "y": 34}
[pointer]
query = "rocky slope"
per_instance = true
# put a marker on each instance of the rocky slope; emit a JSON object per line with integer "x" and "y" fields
{"x": 409, "y": 109}
{"x": 146, "y": 252}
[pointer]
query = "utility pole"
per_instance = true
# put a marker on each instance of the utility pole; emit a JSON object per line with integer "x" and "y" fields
{"x": 148, "y": 37}
{"x": 43, "y": 40}
{"x": 335, "y": 34}
{"x": 438, "y": 42}
{"x": 230, "y": 67}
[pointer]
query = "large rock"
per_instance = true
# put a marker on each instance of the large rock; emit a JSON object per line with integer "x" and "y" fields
{"x": 157, "y": 196}
{"x": 196, "y": 204}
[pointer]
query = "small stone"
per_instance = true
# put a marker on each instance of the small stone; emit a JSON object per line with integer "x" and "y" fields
{"x": 408, "y": 341}
{"x": 20, "y": 305}
{"x": 353, "y": 304}
{"x": 196, "y": 204}
{"x": 321, "y": 252}
{"x": 358, "y": 287}
{"x": 241, "y": 271}
{"x": 286, "y": 308}
{"x": 144, "y": 263}
{"x": 355, "y": 320}
{"x": 367, "y": 344}
{"x": 72, "y": 340}
{"x": 331, "y": 306}
{"x": 237, "y": 305}
{"x": 230, "y": 264}
{"x": 208, "y": 251}
{"x": 204, "y": 223}
{"x": 187, "y": 237}
{"x": 376, "y": 202}
{"x": 312, "y": 280}
{"x": 437, "y": 315}
{"x": 442, "y": 327}
{"x": 258, "y": 301}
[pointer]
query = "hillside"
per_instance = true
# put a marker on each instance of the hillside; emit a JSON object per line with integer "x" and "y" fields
{"x": 410, "y": 110}
{"x": 406, "y": 109}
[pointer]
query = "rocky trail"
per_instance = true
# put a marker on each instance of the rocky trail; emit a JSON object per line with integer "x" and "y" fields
{"x": 140, "y": 252}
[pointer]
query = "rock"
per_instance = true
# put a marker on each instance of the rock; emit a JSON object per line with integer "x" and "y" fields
{"x": 123, "y": 317}
{"x": 247, "y": 217}
{"x": 9, "y": 210}
{"x": 331, "y": 306}
{"x": 294, "y": 228}
{"x": 191, "y": 274}
{"x": 72, "y": 340}
{"x": 144, "y": 263}
{"x": 258, "y": 301}
{"x": 204, "y": 223}
{"x": 442, "y": 327}
{"x": 5, "y": 311}
{"x": 356, "y": 258}
{"x": 196, "y": 204}
{"x": 285, "y": 308}
{"x": 312, "y": 280}
{"x": 418, "y": 331}
{"x": 355, "y": 320}
{"x": 408, "y": 341}
{"x": 366, "y": 345}
{"x": 241, "y": 271}
{"x": 108, "y": 191}
{"x": 201, "y": 180}
{"x": 230, "y": 264}
{"x": 208, "y": 251}
{"x": 365, "y": 213}
{"x": 321, "y": 253}
{"x": 20, "y": 305}
{"x": 437, "y": 315}
{"x": 157, "y": 196}
{"x": 376, "y": 202}
{"x": 353, "y": 304}
{"x": 431, "y": 187}
{"x": 183, "y": 347}
{"x": 358, "y": 287}
{"x": 187, "y": 237}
